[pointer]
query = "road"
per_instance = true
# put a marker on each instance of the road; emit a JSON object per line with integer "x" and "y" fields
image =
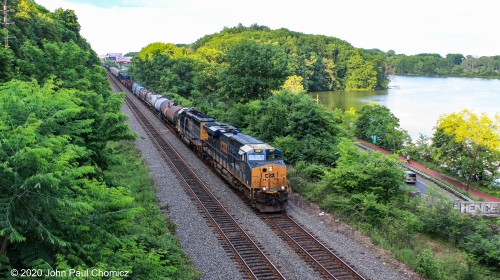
{"x": 422, "y": 186}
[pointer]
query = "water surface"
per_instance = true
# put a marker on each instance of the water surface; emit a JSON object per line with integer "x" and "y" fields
{"x": 418, "y": 102}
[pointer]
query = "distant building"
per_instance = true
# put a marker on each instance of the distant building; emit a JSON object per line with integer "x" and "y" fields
{"x": 113, "y": 56}
{"x": 121, "y": 60}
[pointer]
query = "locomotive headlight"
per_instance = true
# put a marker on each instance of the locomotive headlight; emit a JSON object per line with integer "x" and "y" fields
{"x": 264, "y": 189}
{"x": 283, "y": 188}
{"x": 270, "y": 168}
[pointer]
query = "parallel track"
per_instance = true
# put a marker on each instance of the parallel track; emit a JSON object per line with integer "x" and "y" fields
{"x": 321, "y": 258}
{"x": 252, "y": 261}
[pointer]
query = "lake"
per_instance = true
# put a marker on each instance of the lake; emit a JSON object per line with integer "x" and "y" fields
{"x": 418, "y": 102}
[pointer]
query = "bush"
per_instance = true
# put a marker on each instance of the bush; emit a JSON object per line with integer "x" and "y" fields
{"x": 427, "y": 265}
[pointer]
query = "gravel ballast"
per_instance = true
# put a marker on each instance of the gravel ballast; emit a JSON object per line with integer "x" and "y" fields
{"x": 201, "y": 244}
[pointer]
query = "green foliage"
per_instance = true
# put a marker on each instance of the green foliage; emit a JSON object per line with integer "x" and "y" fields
{"x": 53, "y": 199}
{"x": 365, "y": 172}
{"x": 371, "y": 210}
{"x": 451, "y": 65}
{"x": 62, "y": 204}
{"x": 361, "y": 74}
{"x": 246, "y": 63}
{"x": 346, "y": 120}
{"x": 303, "y": 129}
{"x": 252, "y": 71}
{"x": 374, "y": 119}
{"x": 49, "y": 44}
{"x": 473, "y": 235}
{"x": 293, "y": 84}
{"x": 40, "y": 165}
{"x": 54, "y": 59}
{"x": 165, "y": 68}
{"x": 468, "y": 145}
{"x": 69, "y": 19}
{"x": 420, "y": 150}
{"x": 6, "y": 64}
{"x": 427, "y": 266}
{"x": 312, "y": 172}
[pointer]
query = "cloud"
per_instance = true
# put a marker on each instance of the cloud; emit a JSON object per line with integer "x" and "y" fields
{"x": 109, "y": 3}
{"x": 426, "y": 26}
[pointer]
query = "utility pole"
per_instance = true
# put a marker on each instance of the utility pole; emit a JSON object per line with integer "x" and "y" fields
{"x": 5, "y": 23}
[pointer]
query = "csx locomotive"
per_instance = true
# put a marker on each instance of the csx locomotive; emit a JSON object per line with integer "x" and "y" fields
{"x": 249, "y": 165}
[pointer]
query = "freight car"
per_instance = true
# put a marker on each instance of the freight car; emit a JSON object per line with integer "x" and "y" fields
{"x": 249, "y": 165}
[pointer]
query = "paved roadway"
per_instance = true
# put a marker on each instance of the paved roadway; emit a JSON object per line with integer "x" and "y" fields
{"x": 437, "y": 175}
{"x": 422, "y": 185}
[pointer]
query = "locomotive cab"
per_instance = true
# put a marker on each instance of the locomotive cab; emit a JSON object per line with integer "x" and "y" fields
{"x": 268, "y": 176}
{"x": 250, "y": 165}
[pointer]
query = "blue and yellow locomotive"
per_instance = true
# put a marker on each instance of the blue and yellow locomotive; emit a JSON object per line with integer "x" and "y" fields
{"x": 250, "y": 165}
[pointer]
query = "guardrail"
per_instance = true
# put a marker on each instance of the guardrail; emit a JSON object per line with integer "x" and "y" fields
{"x": 427, "y": 177}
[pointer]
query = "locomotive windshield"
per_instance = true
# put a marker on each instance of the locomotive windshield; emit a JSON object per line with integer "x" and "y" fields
{"x": 254, "y": 157}
{"x": 273, "y": 157}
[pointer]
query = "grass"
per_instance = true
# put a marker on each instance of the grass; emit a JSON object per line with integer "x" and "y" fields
{"x": 130, "y": 172}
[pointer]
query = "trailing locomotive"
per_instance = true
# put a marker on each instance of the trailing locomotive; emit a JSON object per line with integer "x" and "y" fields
{"x": 249, "y": 165}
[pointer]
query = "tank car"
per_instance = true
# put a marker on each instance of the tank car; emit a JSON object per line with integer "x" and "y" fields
{"x": 159, "y": 102}
{"x": 114, "y": 71}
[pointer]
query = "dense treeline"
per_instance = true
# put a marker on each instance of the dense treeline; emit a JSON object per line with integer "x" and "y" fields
{"x": 62, "y": 205}
{"x": 231, "y": 62}
{"x": 456, "y": 65}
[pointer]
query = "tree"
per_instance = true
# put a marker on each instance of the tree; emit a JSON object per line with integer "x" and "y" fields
{"x": 47, "y": 192}
{"x": 377, "y": 120}
{"x": 469, "y": 145}
{"x": 361, "y": 74}
{"x": 6, "y": 64}
{"x": 253, "y": 70}
{"x": 294, "y": 84}
{"x": 358, "y": 172}
{"x": 69, "y": 19}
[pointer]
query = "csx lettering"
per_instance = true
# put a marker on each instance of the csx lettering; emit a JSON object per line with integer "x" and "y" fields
{"x": 270, "y": 175}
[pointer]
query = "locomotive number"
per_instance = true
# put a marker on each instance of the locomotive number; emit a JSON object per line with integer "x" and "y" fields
{"x": 270, "y": 175}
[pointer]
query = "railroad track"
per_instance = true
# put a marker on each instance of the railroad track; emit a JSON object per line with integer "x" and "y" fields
{"x": 317, "y": 255}
{"x": 321, "y": 258}
{"x": 252, "y": 261}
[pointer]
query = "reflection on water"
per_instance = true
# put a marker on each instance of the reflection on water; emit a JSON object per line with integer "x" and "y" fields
{"x": 418, "y": 102}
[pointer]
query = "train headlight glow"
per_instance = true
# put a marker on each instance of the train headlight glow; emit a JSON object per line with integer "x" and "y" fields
{"x": 264, "y": 189}
{"x": 283, "y": 188}
{"x": 270, "y": 168}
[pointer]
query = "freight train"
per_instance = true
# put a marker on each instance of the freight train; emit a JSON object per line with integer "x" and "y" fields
{"x": 249, "y": 165}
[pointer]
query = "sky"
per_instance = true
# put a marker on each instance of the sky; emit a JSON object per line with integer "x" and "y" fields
{"x": 407, "y": 27}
